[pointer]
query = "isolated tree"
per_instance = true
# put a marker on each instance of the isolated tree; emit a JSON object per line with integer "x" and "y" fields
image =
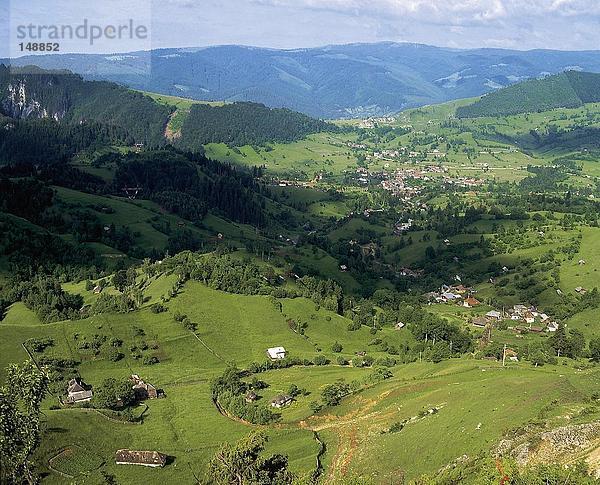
{"x": 119, "y": 280}
{"x": 595, "y": 349}
{"x": 113, "y": 394}
{"x": 20, "y": 400}
{"x": 242, "y": 464}
{"x": 336, "y": 347}
{"x": 332, "y": 394}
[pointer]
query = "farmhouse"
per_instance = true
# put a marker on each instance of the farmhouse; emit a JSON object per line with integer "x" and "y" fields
{"x": 144, "y": 458}
{"x": 281, "y": 401}
{"x": 470, "y": 302}
{"x": 78, "y": 391}
{"x": 143, "y": 390}
{"x": 276, "y": 353}
{"x": 520, "y": 309}
{"x": 480, "y": 322}
{"x": 496, "y": 315}
{"x": 552, "y": 327}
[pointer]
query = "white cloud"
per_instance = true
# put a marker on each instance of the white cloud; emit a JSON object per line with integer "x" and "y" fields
{"x": 453, "y": 12}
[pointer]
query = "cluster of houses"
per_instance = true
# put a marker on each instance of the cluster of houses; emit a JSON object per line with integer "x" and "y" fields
{"x": 282, "y": 400}
{"x": 526, "y": 319}
{"x": 79, "y": 392}
{"x": 373, "y": 122}
{"x": 464, "y": 182}
{"x": 460, "y": 294}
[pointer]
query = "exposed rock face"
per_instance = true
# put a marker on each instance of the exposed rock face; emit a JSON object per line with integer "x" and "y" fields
{"x": 21, "y": 102}
{"x": 569, "y": 438}
{"x": 559, "y": 444}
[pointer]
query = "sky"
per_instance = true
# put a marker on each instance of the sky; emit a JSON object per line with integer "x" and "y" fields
{"x": 515, "y": 24}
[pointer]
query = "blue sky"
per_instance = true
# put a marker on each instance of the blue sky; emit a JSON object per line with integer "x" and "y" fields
{"x": 520, "y": 24}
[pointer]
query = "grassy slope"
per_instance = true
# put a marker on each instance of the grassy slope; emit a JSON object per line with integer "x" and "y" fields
{"x": 239, "y": 329}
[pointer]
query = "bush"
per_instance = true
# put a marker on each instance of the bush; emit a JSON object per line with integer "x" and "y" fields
{"x": 114, "y": 355}
{"x": 179, "y": 317}
{"x": 150, "y": 360}
{"x": 158, "y": 308}
{"x": 380, "y": 374}
{"x": 321, "y": 360}
{"x": 336, "y": 347}
{"x": 333, "y": 393}
{"x": 39, "y": 344}
{"x": 315, "y": 406}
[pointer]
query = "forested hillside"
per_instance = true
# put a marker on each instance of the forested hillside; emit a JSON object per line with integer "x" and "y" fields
{"x": 62, "y": 96}
{"x": 567, "y": 90}
{"x": 100, "y": 112}
{"x": 241, "y": 124}
{"x": 45, "y": 141}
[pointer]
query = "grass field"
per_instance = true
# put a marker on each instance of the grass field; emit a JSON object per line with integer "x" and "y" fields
{"x": 475, "y": 401}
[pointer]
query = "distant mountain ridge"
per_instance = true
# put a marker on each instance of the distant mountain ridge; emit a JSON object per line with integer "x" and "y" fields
{"x": 325, "y": 82}
{"x": 570, "y": 89}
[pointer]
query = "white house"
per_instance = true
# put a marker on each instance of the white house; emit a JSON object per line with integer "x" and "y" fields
{"x": 494, "y": 314}
{"x": 276, "y": 353}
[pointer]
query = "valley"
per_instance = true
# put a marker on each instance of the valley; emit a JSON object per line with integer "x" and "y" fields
{"x": 431, "y": 277}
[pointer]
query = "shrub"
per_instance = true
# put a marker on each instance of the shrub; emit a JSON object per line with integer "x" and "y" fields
{"x": 150, "y": 360}
{"x": 158, "y": 308}
{"x": 321, "y": 360}
{"x": 333, "y": 393}
{"x": 39, "y": 344}
{"x": 315, "y": 406}
{"x": 114, "y": 355}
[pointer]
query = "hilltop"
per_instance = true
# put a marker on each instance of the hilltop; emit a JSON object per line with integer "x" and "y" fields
{"x": 570, "y": 89}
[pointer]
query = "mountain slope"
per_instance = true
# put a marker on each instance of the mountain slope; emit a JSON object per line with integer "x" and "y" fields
{"x": 566, "y": 90}
{"x": 62, "y": 96}
{"x": 329, "y": 82}
{"x": 124, "y": 116}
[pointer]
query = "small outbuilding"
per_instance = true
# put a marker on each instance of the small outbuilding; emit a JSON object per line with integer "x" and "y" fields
{"x": 494, "y": 314}
{"x": 480, "y": 322}
{"x": 276, "y": 353}
{"x": 143, "y": 390}
{"x": 152, "y": 459}
{"x": 281, "y": 401}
